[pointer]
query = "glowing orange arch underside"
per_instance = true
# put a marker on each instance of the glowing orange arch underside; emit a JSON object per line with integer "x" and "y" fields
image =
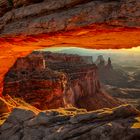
{"x": 99, "y": 37}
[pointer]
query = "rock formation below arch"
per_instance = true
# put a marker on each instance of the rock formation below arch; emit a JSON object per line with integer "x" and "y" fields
{"x": 51, "y": 80}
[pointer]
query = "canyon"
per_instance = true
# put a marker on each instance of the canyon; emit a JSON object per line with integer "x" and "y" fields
{"x": 51, "y": 80}
{"x": 27, "y": 25}
{"x": 90, "y": 26}
{"x": 57, "y": 83}
{"x": 119, "y": 81}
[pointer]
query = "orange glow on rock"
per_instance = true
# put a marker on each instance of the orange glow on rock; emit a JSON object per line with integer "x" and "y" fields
{"x": 94, "y": 36}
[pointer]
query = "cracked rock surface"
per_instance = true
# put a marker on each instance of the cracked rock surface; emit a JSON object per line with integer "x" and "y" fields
{"x": 71, "y": 123}
{"x": 34, "y": 17}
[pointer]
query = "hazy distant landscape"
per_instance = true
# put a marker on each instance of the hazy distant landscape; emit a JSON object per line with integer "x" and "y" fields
{"x": 127, "y": 57}
{"x": 124, "y": 82}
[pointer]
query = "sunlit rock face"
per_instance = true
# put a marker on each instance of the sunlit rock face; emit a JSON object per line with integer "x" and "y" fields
{"x": 73, "y": 124}
{"x": 31, "y": 80}
{"x": 3, "y": 106}
{"x": 88, "y": 24}
{"x": 51, "y": 80}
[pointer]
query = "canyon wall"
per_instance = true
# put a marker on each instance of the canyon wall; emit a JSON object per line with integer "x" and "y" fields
{"x": 31, "y": 80}
{"x": 52, "y": 80}
{"x": 85, "y": 23}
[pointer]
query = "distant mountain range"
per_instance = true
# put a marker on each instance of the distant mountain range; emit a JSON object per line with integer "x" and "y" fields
{"x": 117, "y": 57}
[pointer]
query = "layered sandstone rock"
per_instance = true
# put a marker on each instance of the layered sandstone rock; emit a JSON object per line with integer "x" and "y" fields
{"x": 73, "y": 124}
{"x": 7, "y": 104}
{"x": 52, "y": 80}
{"x": 31, "y": 80}
{"x": 52, "y": 16}
{"x": 103, "y": 24}
{"x": 20, "y": 3}
{"x": 56, "y": 15}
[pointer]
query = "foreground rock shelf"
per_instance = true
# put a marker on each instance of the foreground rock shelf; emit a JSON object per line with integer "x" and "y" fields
{"x": 72, "y": 124}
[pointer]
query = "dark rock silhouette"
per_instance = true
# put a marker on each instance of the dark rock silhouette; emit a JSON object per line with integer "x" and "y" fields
{"x": 72, "y": 124}
{"x": 110, "y": 76}
{"x": 109, "y": 64}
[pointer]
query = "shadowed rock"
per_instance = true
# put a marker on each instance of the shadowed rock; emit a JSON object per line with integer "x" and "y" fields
{"x": 73, "y": 124}
{"x": 3, "y": 106}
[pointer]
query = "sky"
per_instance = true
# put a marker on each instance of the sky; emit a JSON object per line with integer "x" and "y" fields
{"x": 134, "y": 50}
{"x": 120, "y": 56}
